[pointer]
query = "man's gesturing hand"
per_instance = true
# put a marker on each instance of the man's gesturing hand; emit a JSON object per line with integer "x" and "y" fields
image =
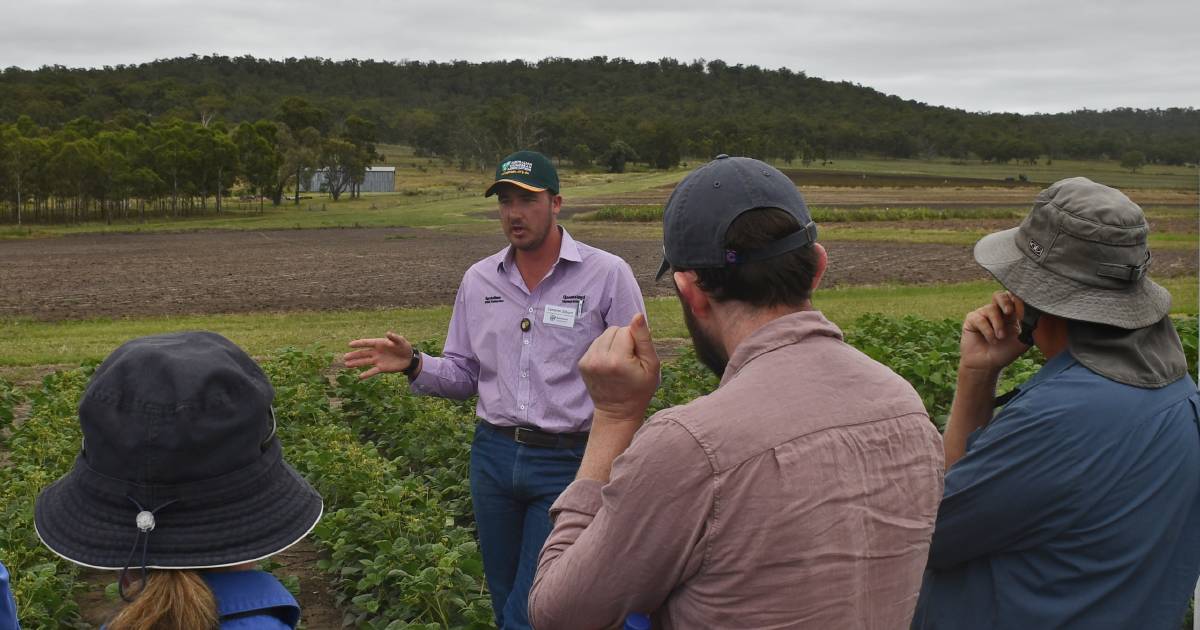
{"x": 989, "y": 335}
{"x": 393, "y": 353}
{"x": 620, "y": 370}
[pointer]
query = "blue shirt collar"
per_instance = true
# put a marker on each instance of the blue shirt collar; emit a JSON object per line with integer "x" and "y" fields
{"x": 241, "y": 592}
{"x": 1052, "y": 368}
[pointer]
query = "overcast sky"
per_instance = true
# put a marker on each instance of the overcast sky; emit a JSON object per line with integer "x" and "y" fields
{"x": 981, "y": 55}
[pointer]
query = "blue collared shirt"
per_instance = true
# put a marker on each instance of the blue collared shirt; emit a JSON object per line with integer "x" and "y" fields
{"x": 1077, "y": 506}
{"x": 252, "y": 600}
{"x": 8, "y": 608}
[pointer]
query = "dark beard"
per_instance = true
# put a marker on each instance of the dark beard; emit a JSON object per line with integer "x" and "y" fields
{"x": 710, "y": 353}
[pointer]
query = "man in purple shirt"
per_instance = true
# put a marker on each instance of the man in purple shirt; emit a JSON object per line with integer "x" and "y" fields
{"x": 522, "y": 319}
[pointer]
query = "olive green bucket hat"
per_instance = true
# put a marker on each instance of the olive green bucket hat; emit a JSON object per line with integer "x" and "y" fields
{"x": 1080, "y": 254}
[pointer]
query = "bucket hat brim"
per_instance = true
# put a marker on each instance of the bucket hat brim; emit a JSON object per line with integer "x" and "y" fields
{"x": 1142, "y": 304}
{"x": 91, "y": 521}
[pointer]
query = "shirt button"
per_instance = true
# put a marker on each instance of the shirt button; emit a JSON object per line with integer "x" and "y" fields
{"x": 527, "y": 342}
{"x": 530, "y": 309}
{"x": 522, "y": 407}
{"x": 524, "y": 374}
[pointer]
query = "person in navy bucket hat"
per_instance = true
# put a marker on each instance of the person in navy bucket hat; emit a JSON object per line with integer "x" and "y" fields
{"x": 180, "y": 484}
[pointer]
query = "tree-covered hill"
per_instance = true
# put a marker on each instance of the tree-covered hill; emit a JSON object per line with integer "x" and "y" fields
{"x": 586, "y": 109}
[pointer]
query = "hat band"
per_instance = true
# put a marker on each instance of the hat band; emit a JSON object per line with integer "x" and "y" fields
{"x": 216, "y": 491}
{"x": 1124, "y": 273}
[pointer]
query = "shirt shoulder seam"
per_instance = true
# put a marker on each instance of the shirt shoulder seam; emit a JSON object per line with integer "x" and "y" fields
{"x": 714, "y": 510}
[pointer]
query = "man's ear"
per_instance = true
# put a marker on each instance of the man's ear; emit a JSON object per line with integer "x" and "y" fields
{"x": 555, "y": 204}
{"x": 822, "y": 264}
{"x": 690, "y": 293}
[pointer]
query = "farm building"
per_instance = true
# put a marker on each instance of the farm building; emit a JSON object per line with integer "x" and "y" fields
{"x": 378, "y": 179}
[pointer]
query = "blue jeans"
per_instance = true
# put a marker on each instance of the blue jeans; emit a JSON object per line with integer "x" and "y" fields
{"x": 512, "y": 489}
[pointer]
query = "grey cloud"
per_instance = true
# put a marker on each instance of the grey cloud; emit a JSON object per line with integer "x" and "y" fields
{"x": 986, "y": 55}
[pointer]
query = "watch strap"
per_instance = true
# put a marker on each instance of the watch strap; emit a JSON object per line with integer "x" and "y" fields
{"x": 412, "y": 365}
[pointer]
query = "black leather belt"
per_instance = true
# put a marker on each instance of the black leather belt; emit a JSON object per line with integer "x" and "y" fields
{"x": 529, "y": 436}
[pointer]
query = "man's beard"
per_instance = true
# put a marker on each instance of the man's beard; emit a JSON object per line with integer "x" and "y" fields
{"x": 710, "y": 353}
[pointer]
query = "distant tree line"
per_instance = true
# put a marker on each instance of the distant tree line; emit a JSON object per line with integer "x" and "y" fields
{"x": 591, "y": 112}
{"x": 89, "y": 170}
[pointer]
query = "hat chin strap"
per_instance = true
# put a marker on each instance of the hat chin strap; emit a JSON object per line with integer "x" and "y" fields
{"x": 145, "y": 525}
{"x": 1029, "y": 322}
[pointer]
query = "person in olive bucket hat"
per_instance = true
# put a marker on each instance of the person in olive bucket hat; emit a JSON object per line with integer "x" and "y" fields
{"x": 180, "y": 484}
{"x": 1077, "y": 505}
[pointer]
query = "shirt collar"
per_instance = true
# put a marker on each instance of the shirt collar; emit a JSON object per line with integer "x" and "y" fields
{"x": 240, "y": 592}
{"x": 568, "y": 249}
{"x": 1052, "y": 368}
{"x": 783, "y": 331}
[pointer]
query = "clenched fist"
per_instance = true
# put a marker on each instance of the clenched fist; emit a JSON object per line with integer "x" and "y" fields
{"x": 620, "y": 370}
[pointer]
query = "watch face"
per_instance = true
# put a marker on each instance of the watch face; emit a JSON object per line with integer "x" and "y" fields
{"x": 525, "y": 324}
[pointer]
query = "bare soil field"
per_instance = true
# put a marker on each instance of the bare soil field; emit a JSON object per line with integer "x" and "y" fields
{"x": 155, "y": 274}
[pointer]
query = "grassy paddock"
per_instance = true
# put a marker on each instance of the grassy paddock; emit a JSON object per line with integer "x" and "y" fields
{"x": 433, "y": 194}
{"x": 41, "y": 343}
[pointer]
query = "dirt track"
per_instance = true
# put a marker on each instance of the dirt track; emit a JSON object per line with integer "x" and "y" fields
{"x": 136, "y": 275}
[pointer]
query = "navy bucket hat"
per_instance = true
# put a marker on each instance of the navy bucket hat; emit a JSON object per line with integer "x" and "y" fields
{"x": 180, "y": 467}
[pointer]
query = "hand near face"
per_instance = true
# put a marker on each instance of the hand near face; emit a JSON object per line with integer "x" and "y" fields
{"x": 392, "y": 353}
{"x": 620, "y": 370}
{"x": 989, "y": 334}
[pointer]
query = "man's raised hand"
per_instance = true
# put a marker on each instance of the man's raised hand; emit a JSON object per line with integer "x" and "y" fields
{"x": 989, "y": 334}
{"x": 620, "y": 370}
{"x": 392, "y": 353}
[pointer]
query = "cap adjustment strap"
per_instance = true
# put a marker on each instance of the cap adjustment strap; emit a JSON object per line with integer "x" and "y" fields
{"x": 800, "y": 238}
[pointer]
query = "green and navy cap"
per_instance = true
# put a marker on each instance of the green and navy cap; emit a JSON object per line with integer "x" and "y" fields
{"x": 527, "y": 169}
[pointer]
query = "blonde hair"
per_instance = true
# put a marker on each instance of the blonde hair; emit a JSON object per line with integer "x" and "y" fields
{"x": 169, "y": 600}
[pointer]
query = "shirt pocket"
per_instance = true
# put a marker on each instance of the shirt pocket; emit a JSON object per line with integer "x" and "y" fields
{"x": 565, "y": 346}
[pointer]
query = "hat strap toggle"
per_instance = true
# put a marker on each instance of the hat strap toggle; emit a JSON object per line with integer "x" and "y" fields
{"x": 145, "y": 525}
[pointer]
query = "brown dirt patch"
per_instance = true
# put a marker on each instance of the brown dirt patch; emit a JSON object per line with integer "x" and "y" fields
{"x": 139, "y": 275}
{"x": 318, "y": 610}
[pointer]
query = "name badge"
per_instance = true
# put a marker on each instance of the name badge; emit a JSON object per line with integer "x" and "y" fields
{"x": 559, "y": 316}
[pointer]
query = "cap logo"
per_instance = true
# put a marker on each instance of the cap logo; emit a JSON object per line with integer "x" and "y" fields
{"x": 516, "y": 167}
{"x": 1036, "y": 248}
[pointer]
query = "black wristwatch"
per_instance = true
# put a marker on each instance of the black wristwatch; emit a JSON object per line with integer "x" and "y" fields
{"x": 412, "y": 365}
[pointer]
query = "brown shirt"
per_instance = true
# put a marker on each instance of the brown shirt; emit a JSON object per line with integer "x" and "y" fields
{"x": 800, "y": 494}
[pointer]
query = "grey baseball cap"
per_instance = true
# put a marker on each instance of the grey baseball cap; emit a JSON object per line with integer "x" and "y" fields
{"x": 707, "y": 201}
{"x": 1080, "y": 254}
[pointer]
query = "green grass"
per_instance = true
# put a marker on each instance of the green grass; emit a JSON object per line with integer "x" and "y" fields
{"x": 466, "y": 211}
{"x": 32, "y": 343}
{"x": 1106, "y": 172}
{"x": 434, "y": 195}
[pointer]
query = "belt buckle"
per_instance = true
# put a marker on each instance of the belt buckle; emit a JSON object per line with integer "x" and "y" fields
{"x": 519, "y": 436}
{"x": 532, "y": 437}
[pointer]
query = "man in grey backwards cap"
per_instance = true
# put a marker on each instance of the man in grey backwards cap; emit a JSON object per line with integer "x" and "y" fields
{"x": 801, "y": 493}
{"x": 1078, "y": 504}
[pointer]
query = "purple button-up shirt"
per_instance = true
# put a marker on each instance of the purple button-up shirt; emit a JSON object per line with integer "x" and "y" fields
{"x": 528, "y": 375}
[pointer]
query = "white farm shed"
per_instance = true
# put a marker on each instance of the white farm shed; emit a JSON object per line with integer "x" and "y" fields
{"x": 378, "y": 179}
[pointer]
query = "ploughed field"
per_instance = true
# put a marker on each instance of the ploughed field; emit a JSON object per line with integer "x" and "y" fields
{"x": 149, "y": 274}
